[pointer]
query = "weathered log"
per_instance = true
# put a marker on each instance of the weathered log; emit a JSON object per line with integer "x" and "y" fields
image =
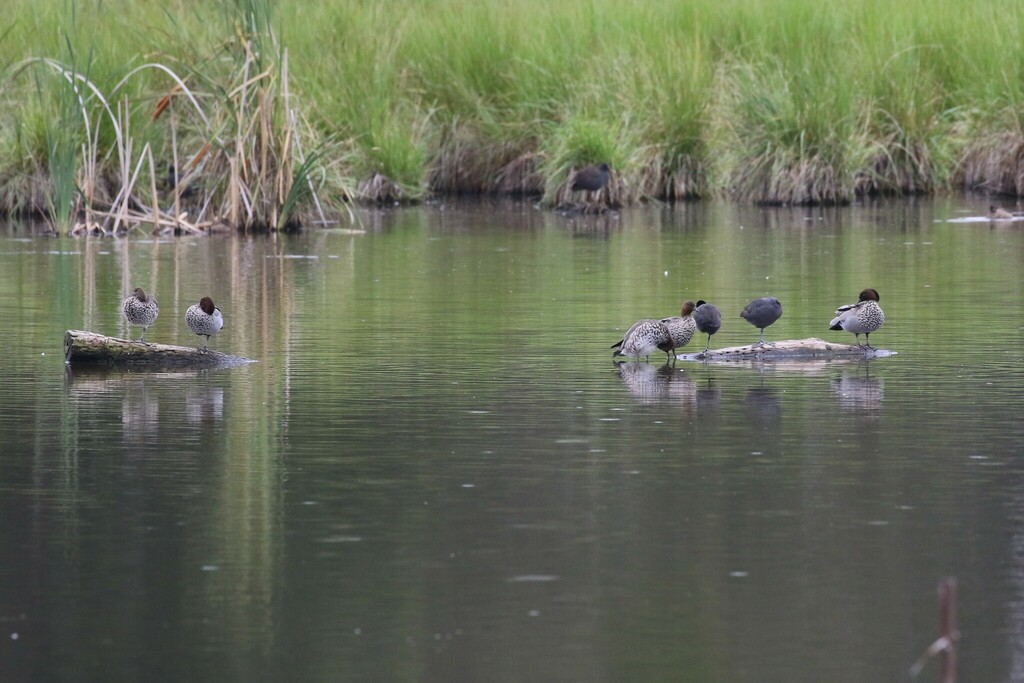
{"x": 789, "y": 349}
{"x": 88, "y": 347}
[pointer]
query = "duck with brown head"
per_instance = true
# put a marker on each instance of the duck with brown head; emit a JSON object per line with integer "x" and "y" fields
{"x": 681, "y": 328}
{"x": 642, "y": 339}
{"x": 204, "y": 319}
{"x": 863, "y": 317}
{"x": 997, "y": 213}
{"x": 140, "y": 310}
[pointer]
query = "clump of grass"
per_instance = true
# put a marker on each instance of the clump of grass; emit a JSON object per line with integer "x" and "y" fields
{"x": 906, "y": 120}
{"x": 471, "y": 162}
{"x": 62, "y": 142}
{"x": 24, "y": 183}
{"x": 991, "y": 99}
{"x": 786, "y": 136}
{"x": 261, "y": 162}
{"x": 674, "y": 97}
{"x": 253, "y": 141}
{"x": 788, "y": 103}
{"x": 522, "y": 176}
{"x": 994, "y": 163}
{"x": 395, "y": 149}
{"x": 581, "y": 141}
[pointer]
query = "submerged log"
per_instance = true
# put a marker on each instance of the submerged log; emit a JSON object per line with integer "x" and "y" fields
{"x": 88, "y": 347}
{"x": 789, "y": 349}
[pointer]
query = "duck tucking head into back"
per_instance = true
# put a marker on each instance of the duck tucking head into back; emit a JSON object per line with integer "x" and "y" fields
{"x": 863, "y": 317}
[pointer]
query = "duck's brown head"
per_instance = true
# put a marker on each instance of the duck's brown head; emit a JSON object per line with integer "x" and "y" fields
{"x": 869, "y": 294}
{"x": 140, "y": 294}
{"x": 687, "y": 309}
{"x": 206, "y": 303}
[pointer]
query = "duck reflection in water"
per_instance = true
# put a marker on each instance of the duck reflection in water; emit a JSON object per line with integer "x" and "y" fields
{"x": 708, "y": 395}
{"x": 764, "y": 408}
{"x": 204, "y": 405}
{"x": 858, "y": 391}
{"x": 649, "y": 384}
{"x": 140, "y": 414}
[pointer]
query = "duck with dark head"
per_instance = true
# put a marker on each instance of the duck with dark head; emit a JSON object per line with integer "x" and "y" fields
{"x": 140, "y": 310}
{"x": 863, "y": 317}
{"x": 204, "y": 319}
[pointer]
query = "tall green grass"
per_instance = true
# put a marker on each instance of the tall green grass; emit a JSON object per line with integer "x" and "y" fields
{"x": 781, "y": 102}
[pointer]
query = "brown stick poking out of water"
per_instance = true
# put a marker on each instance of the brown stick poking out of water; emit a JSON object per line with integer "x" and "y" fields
{"x": 945, "y": 645}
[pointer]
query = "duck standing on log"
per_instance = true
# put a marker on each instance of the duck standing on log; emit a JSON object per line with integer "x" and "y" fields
{"x": 140, "y": 310}
{"x": 863, "y": 317}
{"x": 642, "y": 339}
{"x": 204, "y": 319}
{"x": 681, "y": 327}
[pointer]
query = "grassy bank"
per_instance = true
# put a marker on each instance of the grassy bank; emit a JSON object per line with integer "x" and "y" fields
{"x": 282, "y": 116}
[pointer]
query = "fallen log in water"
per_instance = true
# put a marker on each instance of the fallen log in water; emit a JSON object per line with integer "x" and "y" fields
{"x": 88, "y": 347}
{"x": 789, "y": 349}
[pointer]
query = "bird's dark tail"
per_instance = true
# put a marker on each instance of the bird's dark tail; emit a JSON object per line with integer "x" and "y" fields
{"x": 837, "y": 326}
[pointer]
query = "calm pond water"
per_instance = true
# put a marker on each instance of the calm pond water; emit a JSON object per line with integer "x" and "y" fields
{"x": 434, "y": 472}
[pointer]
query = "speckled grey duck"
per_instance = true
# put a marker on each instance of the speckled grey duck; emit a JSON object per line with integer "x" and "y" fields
{"x": 642, "y": 339}
{"x": 863, "y": 317}
{"x": 708, "y": 320}
{"x": 761, "y": 313}
{"x": 997, "y": 213}
{"x": 204, "y": 319}
{"x": 140, "y": 310}
{"x": 681, "y": 328}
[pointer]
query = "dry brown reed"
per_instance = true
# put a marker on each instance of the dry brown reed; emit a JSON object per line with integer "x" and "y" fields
{"x": 805, "y": 181}
{"x": 994, "y": 164}
{"x": 522, "y": 176}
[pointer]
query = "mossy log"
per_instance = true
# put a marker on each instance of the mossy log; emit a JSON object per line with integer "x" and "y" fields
{"x": 81, "y": 347}
{"x": 789, "y": 349}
